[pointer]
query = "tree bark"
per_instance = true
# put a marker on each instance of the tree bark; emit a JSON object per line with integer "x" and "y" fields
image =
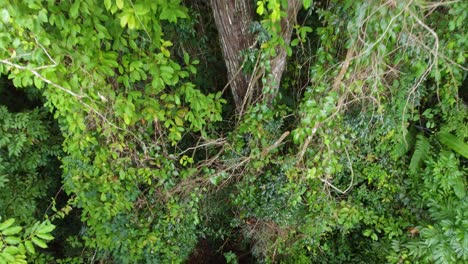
{"x": 233, "y": 19}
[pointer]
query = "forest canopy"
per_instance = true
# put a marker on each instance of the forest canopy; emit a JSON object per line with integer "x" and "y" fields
{"x": 222, "y": 131}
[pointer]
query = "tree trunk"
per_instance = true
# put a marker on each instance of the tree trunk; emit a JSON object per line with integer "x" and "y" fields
{"x": 233, "y": 19}
{"x": 278, "y": 63}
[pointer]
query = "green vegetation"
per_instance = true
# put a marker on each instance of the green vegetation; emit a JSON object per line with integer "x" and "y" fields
{"x": 334, "y": 131}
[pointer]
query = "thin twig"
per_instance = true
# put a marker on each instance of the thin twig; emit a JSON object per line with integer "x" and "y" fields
{"x": 37, "y": 74}
{"x": 352, "y": 177}
{"x": 219, "y": 141}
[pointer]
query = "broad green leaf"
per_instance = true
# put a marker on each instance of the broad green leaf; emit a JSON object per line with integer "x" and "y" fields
{"x": 5, "y": 16}
{"x": 46, "y": 228}
{"x": 39, "y": 242}
{"x": 108, "y": 4}
{"x": 12, "y": 240}
{"x": 8, "y": 257}
{"x": 74, "y": 9}
{"x": 45, "y": 236}
{"x": 38, "y": 83}
{"x": 260, "y": 8}
{"x": 186, "y": 58}
{"x": 29, "y": 246}
{"x": 6, "y": 224}
{"x": 167, "y": 69}
{"x": 13, "y": 250}
{"x": 307, "y": 3}
{"x": 141, "y": 10}
{"x": 454, "y": 143}
{"x": 103, "y": 195}
{"x": 127, "y": 121}
{"x": 178, "y": 121}
{"x": 294, "y": 42}
{"x": 458, "y": 187}
{"x": 131, "y": 22}
{"x": 165, "y": 14}
{"x": 123, "y": 20}
{"x": 120, "y": 4}
{"x": 12, "y": 230}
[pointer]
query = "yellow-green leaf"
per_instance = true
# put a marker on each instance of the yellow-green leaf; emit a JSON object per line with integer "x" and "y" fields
{"x": 39, "y": 242}
{"x": 74, "y": 9}
{"x": 12, "y": 240}
{"x": 12, "y": 230}
{"x": 46, "y": 228}
{"x": 120, "y": 4}
{"x": 108, "y": 4}
{"x": 45, "y": 236}
{"x": 9, "y": 258}
{"x": 178, "y": 121}
{"x": 123, "y": 20}
{"x": 307, "y": 3}
{"x": 260, "y": 8}
{"x": 6, "y": 224}
{"x": 454, "y": 143}
{"x": 29, "y": 247}
{"x": 131, "y": 22}
{"x": 103, "y": 195}
{"x": 13, "y": 250}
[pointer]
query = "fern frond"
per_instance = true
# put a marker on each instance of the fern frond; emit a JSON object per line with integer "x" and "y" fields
{"x": 405, "y": 145}
{"x": 454, "y": 143}
{"x": 421, "y": 149}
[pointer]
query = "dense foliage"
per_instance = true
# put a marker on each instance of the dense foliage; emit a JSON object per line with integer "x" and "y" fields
{"x": 359, "y": 157}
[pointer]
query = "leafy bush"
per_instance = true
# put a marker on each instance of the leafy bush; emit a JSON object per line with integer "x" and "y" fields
{"x": 358, "y": 155}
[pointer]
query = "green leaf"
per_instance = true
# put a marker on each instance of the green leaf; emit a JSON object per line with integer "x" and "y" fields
{"x": 9, "y": 258}
{"x": 39, "y": 242}
{"x": 46, "y": 228}
{"x": 294, "y": 42}
{"x": 186, "y": 58}
{"x": 131, "y": 22}
{"x": 141, "y": 9}
{"x": 38, "y": 83}
{"x": 45, "y": 236}
{"x": 6, "y": 224}
{"x": 127, "y": 121}
{"x": 454, "y": 143}
{"x": 5, "y": 16}
{"x": 120, "y": 4}
{"x": 458, "y": 187}
{"x": 12, "y": 240}
{"x": 12, "y": 230}
{"x": 167, "y": 69}
{"x": 260, "y": 8}
{"x": 29, "y": 247}
{"x": 13, "y": 250}
{"x": 103, "y": 195}
{"x": 108, "y": 4}
{"x": 172, "y": 12}
{"x": 123, "y": 20}
{"x": 421, "y": 150}
{"x": 74, "y": 9}
{"x": 178, "y": 121}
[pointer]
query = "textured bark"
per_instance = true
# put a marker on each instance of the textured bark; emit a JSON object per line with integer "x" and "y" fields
{"x": 233, "y": 19}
